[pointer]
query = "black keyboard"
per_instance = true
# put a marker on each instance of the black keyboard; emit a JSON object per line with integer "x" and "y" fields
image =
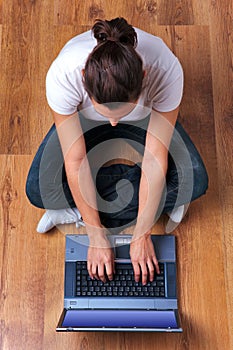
{"x": 122, "y": 285}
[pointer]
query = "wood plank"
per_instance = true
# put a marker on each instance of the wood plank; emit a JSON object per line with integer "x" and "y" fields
{"x": 185, "y": 12}
{"x": 25, "y": 57}
{"x": 62, "y": 34}
{"x": 143, "y": 14}
{"x": 200, "y": 261}
{"x": 197, "y": 103}
{"x": 43, "y": 51}
{"x": 22, "y": 261}
{"x": 16, "y": 63}
{"x": 83, "y": 13}
{"x": 1, "y": 11}
{"x": 203, "y": 226}
{"x": 221, "y": 50}
{"x": 0, "y": 41}
{"x": 178, "y": 12}
{"x": 201, "y": 10}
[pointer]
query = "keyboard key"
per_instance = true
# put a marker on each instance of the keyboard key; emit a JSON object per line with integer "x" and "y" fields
{"x": 159, "y": 278}
{"x": 160, "y": 284}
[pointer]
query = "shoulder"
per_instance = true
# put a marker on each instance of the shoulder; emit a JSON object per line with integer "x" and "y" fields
{"x": 154, "y": 52}
{"x": 64, "y": 88}
{"x": 75, "y": 52}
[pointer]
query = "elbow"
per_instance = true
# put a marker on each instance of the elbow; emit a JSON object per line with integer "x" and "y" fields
{"x": 73, "y": 167}
{"x": 156, "y": 165}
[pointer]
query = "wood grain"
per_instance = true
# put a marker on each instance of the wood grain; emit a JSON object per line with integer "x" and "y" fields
{"x": 201, "y": 10}
{"x": 178, "y": 12}
{"x": 84, "y": 13}
{"x": 32, "y": 265}
{"x": 222, "y": 73}
{"x": 1, "y": 11}
{"x": 17, "y": 74}
{"x": 0, "y": 41}
{"x": 198, "y": 241}
{"x": 22, "y": 261}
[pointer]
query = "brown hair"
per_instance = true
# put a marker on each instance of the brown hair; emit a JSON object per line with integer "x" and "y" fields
{"x": 114, "y": 70}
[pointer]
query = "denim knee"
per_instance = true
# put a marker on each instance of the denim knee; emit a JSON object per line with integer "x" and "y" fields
{"x": 33, "y": 193}
{"x": 201, "y": 180}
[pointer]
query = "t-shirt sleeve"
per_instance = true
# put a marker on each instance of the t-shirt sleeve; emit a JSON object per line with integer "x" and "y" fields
{"x": 167, "y": 88}
{"x": 62, "y": 89}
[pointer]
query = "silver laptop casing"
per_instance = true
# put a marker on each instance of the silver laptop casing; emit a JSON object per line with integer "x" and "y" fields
{"x": 76, "y": 250}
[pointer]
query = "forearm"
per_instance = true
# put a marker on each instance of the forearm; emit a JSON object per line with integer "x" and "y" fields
{"x": 84, "y": 194}
{"x": 150, "y": 192}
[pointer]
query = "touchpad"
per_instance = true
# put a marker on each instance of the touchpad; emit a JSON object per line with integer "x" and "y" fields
{"x": 122, "y": 251}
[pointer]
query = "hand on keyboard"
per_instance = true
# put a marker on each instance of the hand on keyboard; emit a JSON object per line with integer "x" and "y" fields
{"x": 100, "y": 259}
{"x": 143, "y": 258}
{"x": 123, "y": 284}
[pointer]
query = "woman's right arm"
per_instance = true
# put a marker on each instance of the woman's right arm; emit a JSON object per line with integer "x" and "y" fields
{"x": 83, "y": 191}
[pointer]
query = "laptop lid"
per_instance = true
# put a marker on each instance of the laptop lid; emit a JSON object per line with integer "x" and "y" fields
{"x": 119, "y": 320}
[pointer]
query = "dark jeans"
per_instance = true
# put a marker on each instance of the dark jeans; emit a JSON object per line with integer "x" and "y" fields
{"x": 186, "y": 178}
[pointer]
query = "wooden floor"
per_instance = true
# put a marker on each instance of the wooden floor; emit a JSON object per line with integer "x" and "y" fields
{"x": 31, "y": 265}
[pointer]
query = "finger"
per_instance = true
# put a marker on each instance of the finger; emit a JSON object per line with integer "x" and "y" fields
{"x": 101, "y": 273}
{"x": 89, "y": 266}
{"x": 144, "y": 272}
{"x": 94, "y": 271}
{"x": 109, "y": 270}
{"x": 137, "y": 271}
{"x": 151, "y": 270}
{"x": 155, "y": 261}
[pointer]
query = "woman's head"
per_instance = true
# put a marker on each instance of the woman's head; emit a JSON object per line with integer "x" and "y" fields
{"x": 114, "y": 71}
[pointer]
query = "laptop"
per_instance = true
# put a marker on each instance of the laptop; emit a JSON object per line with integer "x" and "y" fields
{"x": 121, "y": 304}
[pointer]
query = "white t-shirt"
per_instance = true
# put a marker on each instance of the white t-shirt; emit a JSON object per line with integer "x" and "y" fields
{"x": 163, "y": 83}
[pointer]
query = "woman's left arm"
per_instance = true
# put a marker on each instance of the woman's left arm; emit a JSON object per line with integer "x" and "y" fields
{"x": 153, "y": 179}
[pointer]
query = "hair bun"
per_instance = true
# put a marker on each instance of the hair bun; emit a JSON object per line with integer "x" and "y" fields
{"x": 115, "y": 30}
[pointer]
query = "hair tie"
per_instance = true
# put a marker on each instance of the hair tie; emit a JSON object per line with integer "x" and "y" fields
{"x": 111, "y": 38}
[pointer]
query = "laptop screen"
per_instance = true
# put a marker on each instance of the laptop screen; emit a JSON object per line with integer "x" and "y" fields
{"x": 120, "y": 318}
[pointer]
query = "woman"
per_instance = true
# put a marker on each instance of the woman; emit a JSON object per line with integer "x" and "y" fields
{"x": 124, "y": 83}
